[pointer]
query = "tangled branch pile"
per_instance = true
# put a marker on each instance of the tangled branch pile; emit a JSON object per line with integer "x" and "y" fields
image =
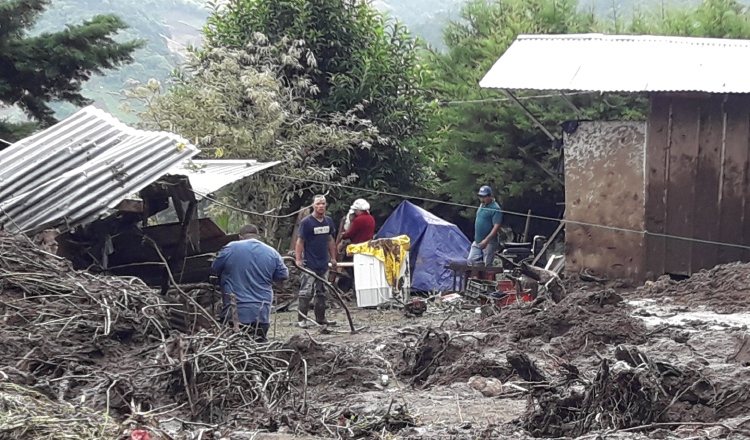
{"x": 27, "y": 414}
{"x": 66, "y": 332}
{"x": 224, "y": 374}
{"x": 107, "y": 342}
{"x": 630, "y": 391}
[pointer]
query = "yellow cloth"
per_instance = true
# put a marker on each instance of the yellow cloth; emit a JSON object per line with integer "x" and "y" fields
{"x": 391, "y": 251}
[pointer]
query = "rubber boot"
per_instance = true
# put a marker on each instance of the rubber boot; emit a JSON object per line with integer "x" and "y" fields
{"x": 320, "y": 311}
{"x": 304, "y": 307}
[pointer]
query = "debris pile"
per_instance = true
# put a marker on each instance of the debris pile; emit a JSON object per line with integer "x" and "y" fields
{"x": 629, "y": 392}
{"x": 67, "y": 333}
{"x": 581, "y": 322}
{"x": 724, "y": 288}
{"x": 25, "y": 413}
{"x": 106, "y": 343}
{"x": 99, "y": 356}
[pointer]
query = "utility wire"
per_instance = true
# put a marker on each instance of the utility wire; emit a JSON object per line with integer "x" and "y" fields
{"x": 520, "y": 214}
{"x": 520, "y": 98}
{"x": 244, "y": 211}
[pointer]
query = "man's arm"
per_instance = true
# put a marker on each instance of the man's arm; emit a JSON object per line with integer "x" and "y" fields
{"x": 493, "y": 232}
{"x": 497, "y": 218}
{"x": 218, "y": 264}
{"x": 332, "y": 250}
{"x": 298, "y": 248}
{"x": 281, "y": 272}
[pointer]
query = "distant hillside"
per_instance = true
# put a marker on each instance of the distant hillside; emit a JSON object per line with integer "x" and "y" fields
{"x": 425, "y": 18}
{"x": 168, "y": 26}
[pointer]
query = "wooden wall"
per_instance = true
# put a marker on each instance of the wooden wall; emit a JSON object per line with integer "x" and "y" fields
{"x": 696, "y": 181}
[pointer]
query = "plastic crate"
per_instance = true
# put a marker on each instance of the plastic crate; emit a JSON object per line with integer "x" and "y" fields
{"x": 478, "y": 288}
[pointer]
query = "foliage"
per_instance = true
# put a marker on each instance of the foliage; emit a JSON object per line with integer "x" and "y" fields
{"x": 164, "y": 26}
{"x": 37, "y": 70}
{"x": 361, "y": 60}
{"x": 483, "y": 137}
{"x": 231, "y": 103}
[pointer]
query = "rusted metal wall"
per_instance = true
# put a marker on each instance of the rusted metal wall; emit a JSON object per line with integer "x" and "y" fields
{"x": 696, "y": 181}
{"x": 604, "y": 185}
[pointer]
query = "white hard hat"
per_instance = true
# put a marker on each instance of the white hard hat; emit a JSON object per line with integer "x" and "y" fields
{"x": 361, "y": 205}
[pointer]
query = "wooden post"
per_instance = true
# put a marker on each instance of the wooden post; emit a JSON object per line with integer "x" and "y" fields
{"x": 549, "y": 241}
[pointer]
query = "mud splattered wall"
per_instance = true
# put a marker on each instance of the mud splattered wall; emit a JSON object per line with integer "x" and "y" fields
{"x": 604, "y": 185}
{"x": 697, "y": 181}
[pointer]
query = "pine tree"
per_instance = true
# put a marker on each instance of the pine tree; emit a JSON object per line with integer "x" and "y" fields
{"x": 51, "y": 67}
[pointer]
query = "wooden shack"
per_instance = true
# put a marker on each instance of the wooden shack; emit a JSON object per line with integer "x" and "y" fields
{"x": 670, "y": 194}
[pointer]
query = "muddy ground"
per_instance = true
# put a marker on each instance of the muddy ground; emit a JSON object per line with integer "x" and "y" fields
{"x": 665, "y": 360}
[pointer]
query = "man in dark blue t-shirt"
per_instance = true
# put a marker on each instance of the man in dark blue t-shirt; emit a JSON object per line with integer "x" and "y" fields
{"x": 315, "y": 249}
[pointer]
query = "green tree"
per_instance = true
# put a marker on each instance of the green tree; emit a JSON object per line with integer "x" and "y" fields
{"x": 232, "y": 104}
{"x": 482, "y": 137}
{"x": 51, "y": 67}
{"x": 360, "y": 60}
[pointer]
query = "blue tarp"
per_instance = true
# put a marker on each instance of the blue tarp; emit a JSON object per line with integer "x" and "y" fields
{"x": 434, "y": 244}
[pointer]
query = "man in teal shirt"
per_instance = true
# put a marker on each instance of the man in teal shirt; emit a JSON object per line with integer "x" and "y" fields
{"x": 486, "y": 227}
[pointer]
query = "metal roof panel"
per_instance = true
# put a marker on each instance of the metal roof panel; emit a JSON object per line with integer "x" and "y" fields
{"x": 77, "y": 170}
{"x": 622, "y": 63}
{"x": 208, "y": 176}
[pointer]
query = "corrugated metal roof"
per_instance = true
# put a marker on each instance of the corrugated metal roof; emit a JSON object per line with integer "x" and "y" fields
{"x": 77, "y": 170}
{"x": 622, "y": 63}
{"x": 207, "y": 176}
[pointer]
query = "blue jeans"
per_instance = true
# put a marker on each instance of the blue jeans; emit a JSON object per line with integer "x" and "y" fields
{"x": 486, "y": 255}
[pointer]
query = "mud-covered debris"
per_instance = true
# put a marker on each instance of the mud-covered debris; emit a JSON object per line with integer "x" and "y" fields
{"x": 488, "y": 386}
{"x": 582, "y": 322}
{"x": 631, "y": 390}
{"x": 25, "y": 413}
{"x": 723, "y": 288}
{"x": 525, "y": 367}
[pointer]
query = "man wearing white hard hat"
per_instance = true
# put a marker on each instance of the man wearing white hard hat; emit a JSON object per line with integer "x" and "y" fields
{"x": 486, "y": 228}
{"x": 360, "y": 227}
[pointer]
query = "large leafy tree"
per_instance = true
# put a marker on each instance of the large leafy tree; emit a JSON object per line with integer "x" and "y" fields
{"x": 232, "y": 104}
{"x": 51, "y": 67}
{"x": 484, "y": 138}
{"x": 362, "y": 61}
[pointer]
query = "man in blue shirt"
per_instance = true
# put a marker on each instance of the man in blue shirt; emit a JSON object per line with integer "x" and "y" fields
{"x": 247, "y": 268}
{"x": 486, "y": 227}
{"x": 315, "y": 249}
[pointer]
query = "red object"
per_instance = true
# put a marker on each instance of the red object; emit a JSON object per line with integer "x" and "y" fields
{"x": 511, "y": 296}
{"x": 362, "y": 229}
{"x": 140, "y": 434}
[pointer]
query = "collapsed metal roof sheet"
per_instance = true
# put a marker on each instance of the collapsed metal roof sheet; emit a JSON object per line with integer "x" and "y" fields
{"x": 77, "y": 170}
{"x": 208, "y": 176}
{"x": 622, "y": 63}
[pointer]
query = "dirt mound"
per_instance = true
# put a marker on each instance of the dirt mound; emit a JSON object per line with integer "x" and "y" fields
{"x": 580, "y": 323}
{"x": 724, "y": 288}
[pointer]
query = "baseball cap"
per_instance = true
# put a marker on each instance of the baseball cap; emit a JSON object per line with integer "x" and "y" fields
{"x": 485, "y": 191}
